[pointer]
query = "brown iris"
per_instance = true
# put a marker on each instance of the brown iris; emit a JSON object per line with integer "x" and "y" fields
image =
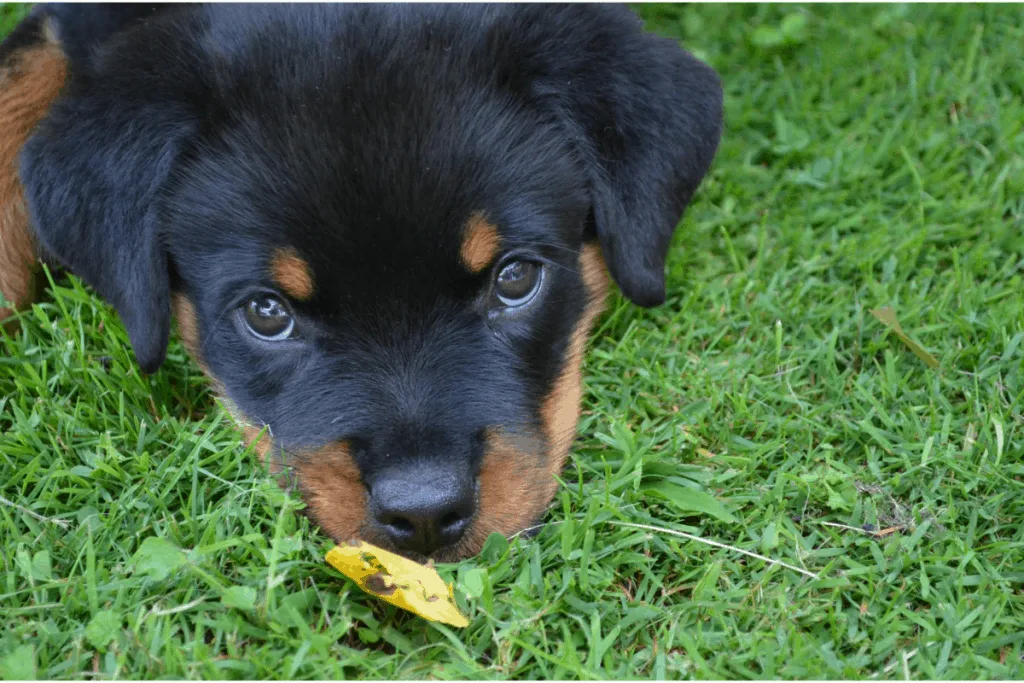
{"x": 268, "y": 318}
{"x": 517, "y": 282}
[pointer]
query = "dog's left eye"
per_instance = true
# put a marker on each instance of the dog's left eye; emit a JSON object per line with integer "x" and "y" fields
{"x": 517, "y": 282}
{"x": 268, "y": 318}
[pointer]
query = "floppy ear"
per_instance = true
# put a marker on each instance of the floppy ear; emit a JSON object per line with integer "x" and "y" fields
{"x": 93, "y": 173}
{"x": 646, "y": 118}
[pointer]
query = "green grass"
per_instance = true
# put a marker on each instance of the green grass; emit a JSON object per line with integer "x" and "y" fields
{"x": 10, "y": 14}
{"x": 873, "y": 156}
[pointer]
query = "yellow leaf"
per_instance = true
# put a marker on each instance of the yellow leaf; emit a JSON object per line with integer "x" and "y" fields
{"x": 404, "y": 583}
{"x": 888, "y": 316}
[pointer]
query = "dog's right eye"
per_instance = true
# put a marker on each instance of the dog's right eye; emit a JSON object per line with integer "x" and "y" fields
{"x": 517, "y": 282}
{"x": 268, "y": 318}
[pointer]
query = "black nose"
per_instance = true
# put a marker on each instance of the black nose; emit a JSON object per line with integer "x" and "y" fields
{"x": 422, "y": 511}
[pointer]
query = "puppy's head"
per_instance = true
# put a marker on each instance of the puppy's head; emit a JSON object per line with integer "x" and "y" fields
{"x": 385, "y": 233}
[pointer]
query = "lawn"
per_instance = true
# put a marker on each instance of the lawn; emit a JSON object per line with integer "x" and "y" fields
{"x": 873, "y": 157}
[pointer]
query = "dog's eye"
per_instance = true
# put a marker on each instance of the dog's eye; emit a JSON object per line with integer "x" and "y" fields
{"x": 517, "y": 282}
{"x": 268, "y": 318}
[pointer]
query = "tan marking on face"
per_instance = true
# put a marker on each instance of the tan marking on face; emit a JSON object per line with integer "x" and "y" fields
{"x": 517, "y": 477}
{"x": 515, "y": 487}
{"x": 188, "y": 329}
{"x": 188, "y": 325}
{"x": 480, "y": 243}
{"x": 328, "y": 479}
{"x": 28, "y": 86}
{"x": 259, "y": 439}
{"x": 561, "y": 409}
{"x": 257, "y": 436}
{"x": 292, "y": 273}
{"x": 333, "y": 490}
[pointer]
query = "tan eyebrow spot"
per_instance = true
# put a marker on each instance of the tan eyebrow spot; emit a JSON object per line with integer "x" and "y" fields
{"x": 292, "y": 273}
{"x": 479, "y": 243}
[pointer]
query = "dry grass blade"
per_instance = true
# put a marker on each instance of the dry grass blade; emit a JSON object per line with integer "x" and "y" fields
{"x": 716, "y": 544}
{"x": 889, "y": 319}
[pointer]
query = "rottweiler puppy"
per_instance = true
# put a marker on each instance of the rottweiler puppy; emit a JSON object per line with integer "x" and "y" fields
{"x": 384, "y": 230}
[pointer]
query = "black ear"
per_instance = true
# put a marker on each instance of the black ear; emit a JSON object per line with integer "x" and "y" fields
{"x": 645, "y": 118}
{"x": 93, "y": 172}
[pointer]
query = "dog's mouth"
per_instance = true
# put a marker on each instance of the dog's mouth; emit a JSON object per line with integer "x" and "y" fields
{"x": 329, "y": 483}
{"x": 286, "y": 468}
{"x": 455, "y": 552}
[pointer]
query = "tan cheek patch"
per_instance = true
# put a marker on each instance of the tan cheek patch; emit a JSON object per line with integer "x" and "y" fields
{"x": 292, "y": 273}
{"x": 27, "y": 89}
{"x": 480, "y": 243}
{"x": 516, "y": 485}
{"x": 518, "y": 473}
{"x": 561, "y": 409}
{"x": 333, "y": 491}
{"x": 327, "y": 478}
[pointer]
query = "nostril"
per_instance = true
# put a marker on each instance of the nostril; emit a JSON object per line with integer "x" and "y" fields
{"x": 450, "y": 527}
{"x": 422, "y": 518}
{"x": 401, "y": 526}
{"x": 451, "y": 519}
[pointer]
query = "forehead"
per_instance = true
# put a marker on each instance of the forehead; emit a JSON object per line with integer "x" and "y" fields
{"x": 376, "y": 178}
{"x": 355, "y": 227}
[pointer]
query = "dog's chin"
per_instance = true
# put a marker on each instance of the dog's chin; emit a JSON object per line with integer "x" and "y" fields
{"x": 468, "y": 547}
{"x": 449, "y": 554}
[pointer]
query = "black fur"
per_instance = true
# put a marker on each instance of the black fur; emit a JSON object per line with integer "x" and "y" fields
{"x": 644, "y": 135}
{"x": 192, "y": 142}
{"x": 96, "y": 165}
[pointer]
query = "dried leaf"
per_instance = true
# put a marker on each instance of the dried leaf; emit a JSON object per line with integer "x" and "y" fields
{"x": 401, "y": 582}
{"x": 888, "y": 317}
{"x": 887, "y": 532}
